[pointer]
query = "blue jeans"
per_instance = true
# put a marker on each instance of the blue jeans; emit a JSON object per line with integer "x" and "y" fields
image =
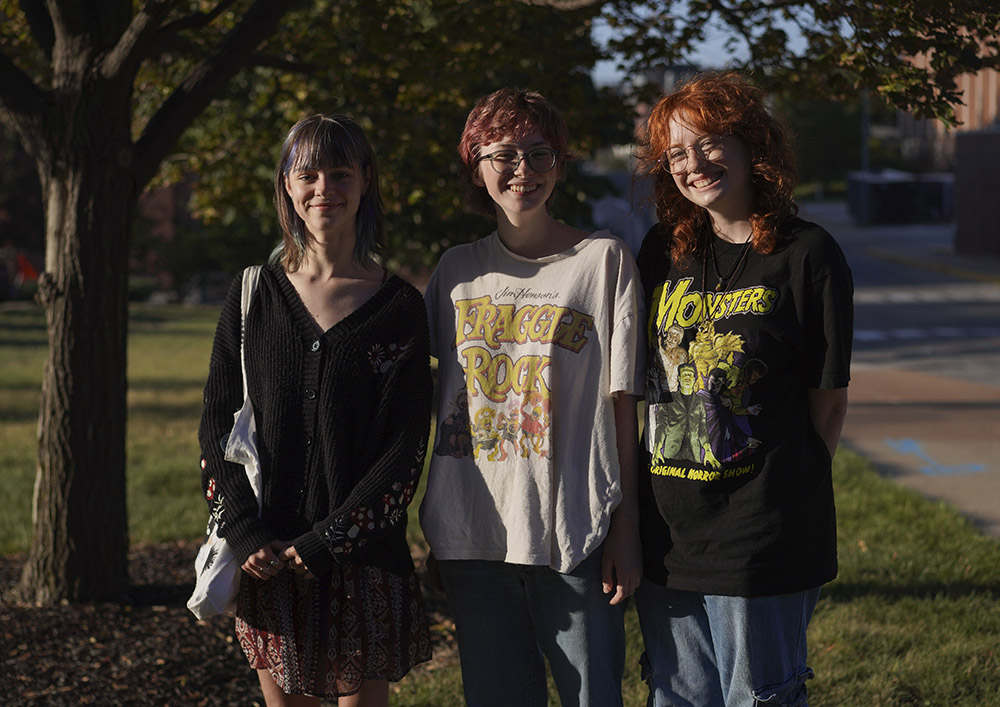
{"x": 507, "y": 616}
{"x": 705, "y": 650}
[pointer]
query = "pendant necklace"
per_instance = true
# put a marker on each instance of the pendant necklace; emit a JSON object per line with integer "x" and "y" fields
{"x": 725, "y": 283}
{"x": 725, "y": 279}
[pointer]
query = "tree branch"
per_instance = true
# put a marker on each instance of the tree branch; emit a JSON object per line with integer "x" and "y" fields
{"x": 69, "y": 16}
{"x": 204, "y": 82}
{"x": 564, "y": 4}
{"x": 285, "y": 64}
{"x": 196, "y": 20}
{"x": 168, "y": 36}
{"x": 133, "y": 44}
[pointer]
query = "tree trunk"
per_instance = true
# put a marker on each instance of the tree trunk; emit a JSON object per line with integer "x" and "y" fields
{"x": 78, "y": 130}
{"x": 80, "y": 540}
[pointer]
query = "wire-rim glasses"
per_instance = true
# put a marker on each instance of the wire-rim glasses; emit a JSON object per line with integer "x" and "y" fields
{"x": 540, "y": 159}
{"x": 708, "y": 147}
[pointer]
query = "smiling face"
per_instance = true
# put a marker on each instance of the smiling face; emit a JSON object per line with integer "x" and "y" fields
{"x": 525, "y": 189}
{"x": 722, "y": 187}
{"x": 326, "y": 198}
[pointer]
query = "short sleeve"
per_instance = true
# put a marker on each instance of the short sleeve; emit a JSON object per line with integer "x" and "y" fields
{"x": 830, "y": 319}
{"x": 628, "y": 346}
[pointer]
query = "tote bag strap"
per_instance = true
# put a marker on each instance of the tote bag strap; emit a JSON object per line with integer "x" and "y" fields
{"x": 250, "y": 277}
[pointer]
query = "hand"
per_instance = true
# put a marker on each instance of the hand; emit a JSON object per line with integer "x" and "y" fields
{"x": 294, "y": 562}
{"x": 621, "y": 564}
{"x": 434, "y": 573}
{"x": 265, "y": 563}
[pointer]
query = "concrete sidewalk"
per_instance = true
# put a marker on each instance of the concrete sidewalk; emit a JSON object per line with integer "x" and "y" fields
{"x": 936, "y": 435}
{"x": 933, "y": 427}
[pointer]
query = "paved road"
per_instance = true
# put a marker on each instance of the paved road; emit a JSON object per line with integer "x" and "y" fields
{"x": 925, "y": 388}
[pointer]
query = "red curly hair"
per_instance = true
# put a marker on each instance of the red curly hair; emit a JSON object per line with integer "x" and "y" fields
{"x": 721, "y": 103}
{"x": 507, "y": 113}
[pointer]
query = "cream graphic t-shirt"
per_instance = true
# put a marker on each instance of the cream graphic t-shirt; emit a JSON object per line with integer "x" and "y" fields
{"x": 531, "y": 352}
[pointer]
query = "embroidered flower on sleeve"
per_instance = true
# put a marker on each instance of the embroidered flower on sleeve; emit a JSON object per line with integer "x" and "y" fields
{"x": 408, "y": 492}
{"x": 354, "y": 529}
{"x": 382, "y": 357}
{"x": 363, "y": 520}
{"x": 389, "y": 501}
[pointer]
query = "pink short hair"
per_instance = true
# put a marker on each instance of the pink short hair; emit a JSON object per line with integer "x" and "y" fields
{"x": 507, "y": 113}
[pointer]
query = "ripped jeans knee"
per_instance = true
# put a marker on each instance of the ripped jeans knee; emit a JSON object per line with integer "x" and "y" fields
{"x": 791, "y": 693}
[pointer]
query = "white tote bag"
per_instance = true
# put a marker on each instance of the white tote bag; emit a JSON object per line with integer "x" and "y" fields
{"x": 216, "y": 567}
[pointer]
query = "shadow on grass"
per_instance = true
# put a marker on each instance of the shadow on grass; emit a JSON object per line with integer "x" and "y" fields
{"x": 18, "y": 417}
{"x": 155, "y": 409}
{"x": 20, "y": 321}
{"x": 26, "y": 343}
{"x": 138, "y": 385}
{"x": 167, "y": 412}
{"x": 171, "y": 329}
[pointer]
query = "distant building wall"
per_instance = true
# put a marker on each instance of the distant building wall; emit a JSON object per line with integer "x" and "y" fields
{"x": 977, "y": 186}
{"x": 980, "y": 109}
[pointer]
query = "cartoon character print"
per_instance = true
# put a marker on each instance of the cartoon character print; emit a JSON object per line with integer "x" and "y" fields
{"x": 522, "y": 429}
{"x": 726, "y": 433}
{"x": 668, "y": 356}
{"x": 709, "y": 350}
{"x": 509, "y": 427}
{"x": 706, "y": 420}
{"x": 681, "y": 431}
{"x": 455, "y": 431}
{"x": 383, "y": 357}
{"x": 485, "y": 434}
{"x": 534, "y": 417}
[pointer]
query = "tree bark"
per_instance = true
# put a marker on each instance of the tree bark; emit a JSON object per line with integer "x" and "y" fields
{"x": 84, "y": 155}
{"x": 80, "y": 541}
{"x": 79, "y": 133}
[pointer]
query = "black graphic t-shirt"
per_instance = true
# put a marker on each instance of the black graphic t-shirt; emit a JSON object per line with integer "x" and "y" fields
{"x": 736, "y": 495}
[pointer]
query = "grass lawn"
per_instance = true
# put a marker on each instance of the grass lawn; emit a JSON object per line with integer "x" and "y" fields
{"x": 913, "y": 618}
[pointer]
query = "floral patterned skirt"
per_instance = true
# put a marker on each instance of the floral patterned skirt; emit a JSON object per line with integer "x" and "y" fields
{"x": 324, "y": 638}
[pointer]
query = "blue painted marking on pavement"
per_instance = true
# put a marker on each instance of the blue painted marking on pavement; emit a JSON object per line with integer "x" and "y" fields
{"x": 912, "y": 446}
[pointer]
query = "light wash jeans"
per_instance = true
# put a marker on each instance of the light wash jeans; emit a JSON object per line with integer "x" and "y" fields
{"x": 705, "y": 650}
{"x": 507, "y": 616}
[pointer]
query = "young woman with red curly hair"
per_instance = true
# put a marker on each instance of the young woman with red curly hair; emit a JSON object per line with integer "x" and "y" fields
{"x": 750, "y": 319}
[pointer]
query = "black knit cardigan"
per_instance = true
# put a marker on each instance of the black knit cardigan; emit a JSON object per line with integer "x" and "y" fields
{"x": 342, "y": 422}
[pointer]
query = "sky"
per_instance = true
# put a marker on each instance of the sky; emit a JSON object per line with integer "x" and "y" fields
{"x": 711, "y": 54}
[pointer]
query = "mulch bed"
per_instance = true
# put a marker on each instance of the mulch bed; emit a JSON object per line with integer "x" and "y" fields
{"x": 151, "y": 651}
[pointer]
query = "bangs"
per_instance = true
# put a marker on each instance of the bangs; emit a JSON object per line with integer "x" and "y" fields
{"x": 517, "y": 129}
{"x": 325, "y": 143}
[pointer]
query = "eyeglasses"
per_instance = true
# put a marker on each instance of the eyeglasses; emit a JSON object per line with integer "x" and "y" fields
{"x": 541, "y": 159}
{"x": 708, "y": 147}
